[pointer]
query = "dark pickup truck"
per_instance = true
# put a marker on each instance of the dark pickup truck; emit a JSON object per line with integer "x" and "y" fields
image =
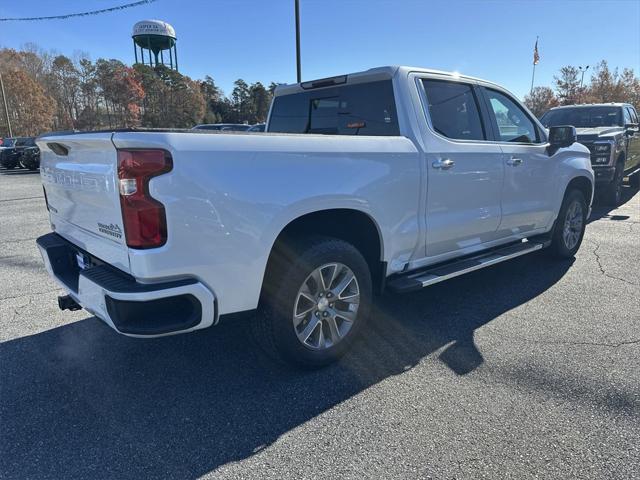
{"x": 19, "y": 152}
{"x": 610, "y": 132}
{"x": 9, "y": 157}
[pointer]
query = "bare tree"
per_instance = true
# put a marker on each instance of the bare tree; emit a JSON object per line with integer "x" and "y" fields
{"x": 567, "y": 85}
{"x": 540, "y": 100}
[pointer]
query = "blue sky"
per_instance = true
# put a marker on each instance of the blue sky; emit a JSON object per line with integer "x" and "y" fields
{"x": 254, "y": 40}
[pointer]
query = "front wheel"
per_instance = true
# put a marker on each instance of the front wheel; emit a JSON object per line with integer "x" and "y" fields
{"x": 315, "y": 303}
{"x": 569, "y": 229}
{"x": 613, "y": 192}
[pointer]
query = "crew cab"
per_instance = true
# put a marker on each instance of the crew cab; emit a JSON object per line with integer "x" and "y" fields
{"x": 394, "y": 179}
{"x": 610, "y": 132}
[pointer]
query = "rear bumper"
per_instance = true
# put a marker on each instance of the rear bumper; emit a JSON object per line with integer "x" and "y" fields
{"x": 132, "y": 308}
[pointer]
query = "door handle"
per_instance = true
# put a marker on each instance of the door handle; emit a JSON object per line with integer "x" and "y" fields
{"x": 513, "y": 161}
{"x": 443, "y": 164}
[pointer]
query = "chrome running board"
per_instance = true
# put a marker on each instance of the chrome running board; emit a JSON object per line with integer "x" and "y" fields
{"x": 423, "y": 278}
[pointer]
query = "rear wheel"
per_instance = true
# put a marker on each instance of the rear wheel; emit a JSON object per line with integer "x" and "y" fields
{"x": 569, "y": 229}
{"x": 613, "y": 192}
{"x": 315, "y": 304}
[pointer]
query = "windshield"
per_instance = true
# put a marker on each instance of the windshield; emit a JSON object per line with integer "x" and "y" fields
{"x": 583, "y": 117}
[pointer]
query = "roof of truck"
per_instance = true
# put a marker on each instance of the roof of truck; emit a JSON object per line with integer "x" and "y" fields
{"x": 581, "y": 105}
{"x": 372, "y": 74}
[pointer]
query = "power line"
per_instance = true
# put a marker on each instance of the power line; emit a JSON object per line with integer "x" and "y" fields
{"x": 80, "y": 14}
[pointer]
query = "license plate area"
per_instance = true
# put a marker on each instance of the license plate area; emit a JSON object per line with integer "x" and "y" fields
{"x": 84, "y": 261}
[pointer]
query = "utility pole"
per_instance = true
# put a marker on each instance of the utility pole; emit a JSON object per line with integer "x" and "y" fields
{"x": 582, "y": 70}
{"x": 298, "y": 69}
{"x": 6, "y": 109}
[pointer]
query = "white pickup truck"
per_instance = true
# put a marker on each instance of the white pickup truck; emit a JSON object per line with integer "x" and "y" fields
{"x": 394, "y": 178}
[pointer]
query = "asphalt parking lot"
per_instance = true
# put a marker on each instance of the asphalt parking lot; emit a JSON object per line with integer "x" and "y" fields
{"x": 529, "y": 369}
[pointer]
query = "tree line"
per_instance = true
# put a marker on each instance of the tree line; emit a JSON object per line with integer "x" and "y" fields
{"x": 603, "y": 86}
{"x": 47, "y": 91}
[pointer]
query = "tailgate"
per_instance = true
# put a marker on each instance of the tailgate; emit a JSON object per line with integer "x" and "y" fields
{"x": 79, "y": 174}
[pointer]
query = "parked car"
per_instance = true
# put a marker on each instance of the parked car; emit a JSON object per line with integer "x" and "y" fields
{"x": 610, "y": 132}
{"x": 30, "y": 155}
{"x": 9, "y": 155}
{"x": 398, "y": 178}
{"x": 232, "y": 127}
{"x": 258, "y": 127}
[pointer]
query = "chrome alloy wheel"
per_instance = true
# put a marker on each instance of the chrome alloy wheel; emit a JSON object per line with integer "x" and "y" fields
{"x": 572, "y": 225}
{"x": 326, "y": 306}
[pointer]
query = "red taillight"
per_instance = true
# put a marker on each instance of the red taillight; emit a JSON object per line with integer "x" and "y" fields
{"x": 145, "y": 222}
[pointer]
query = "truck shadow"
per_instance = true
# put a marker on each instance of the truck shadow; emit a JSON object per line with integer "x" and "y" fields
{"x": 601, "y": 210}
{"x": 81, "y": 401}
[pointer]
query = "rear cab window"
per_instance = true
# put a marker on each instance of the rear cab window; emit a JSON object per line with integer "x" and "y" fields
{"x": 453, "y": 109}
{"x": 367, "y": 108}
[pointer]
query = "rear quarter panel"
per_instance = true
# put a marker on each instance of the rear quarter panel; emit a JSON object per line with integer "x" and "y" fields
{"x": 230, "y": 195}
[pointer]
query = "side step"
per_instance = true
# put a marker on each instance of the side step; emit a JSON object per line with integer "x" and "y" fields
{"x": 423, "y": 278}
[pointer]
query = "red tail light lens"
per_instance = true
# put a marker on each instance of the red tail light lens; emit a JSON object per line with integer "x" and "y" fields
{"x": 145, "y": 221}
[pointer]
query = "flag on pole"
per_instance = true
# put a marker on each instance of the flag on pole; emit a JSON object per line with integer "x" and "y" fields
{"x": 536, "y": 56}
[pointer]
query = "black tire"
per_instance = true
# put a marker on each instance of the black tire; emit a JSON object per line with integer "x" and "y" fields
{"x": 613, "y": 191}
{"x": 559, "y": 247}
{"x": 273, "y": 326}
{"x": 634, "y": 180}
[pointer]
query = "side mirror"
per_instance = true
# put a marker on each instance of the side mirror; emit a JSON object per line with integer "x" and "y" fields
{"x": 630, "y": 128}
{"x": 560, "y": 137}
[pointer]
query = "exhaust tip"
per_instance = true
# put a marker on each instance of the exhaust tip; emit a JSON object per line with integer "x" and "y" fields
{"x": 65, "y": 302}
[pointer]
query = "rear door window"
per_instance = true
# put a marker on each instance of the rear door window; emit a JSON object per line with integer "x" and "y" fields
{"x": 453, "y": 109}
{"x": 357, "y": 109}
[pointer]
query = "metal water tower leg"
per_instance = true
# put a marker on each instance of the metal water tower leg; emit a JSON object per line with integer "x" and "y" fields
{"x": 175, "y": 52}
{"x": 161, "y": 57}
{"x": 135, "y": 51}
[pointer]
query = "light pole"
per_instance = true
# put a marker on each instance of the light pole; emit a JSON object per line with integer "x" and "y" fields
{"x": 298, "y": 69}
{"x": 582, "y": 70}
{"x": 6, "y": 110}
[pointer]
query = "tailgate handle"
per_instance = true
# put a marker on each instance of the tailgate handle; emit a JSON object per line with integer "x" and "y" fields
{"x": 58, "y": 149}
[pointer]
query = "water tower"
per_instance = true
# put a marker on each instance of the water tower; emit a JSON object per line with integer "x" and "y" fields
{"x": 155, "y": 37}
